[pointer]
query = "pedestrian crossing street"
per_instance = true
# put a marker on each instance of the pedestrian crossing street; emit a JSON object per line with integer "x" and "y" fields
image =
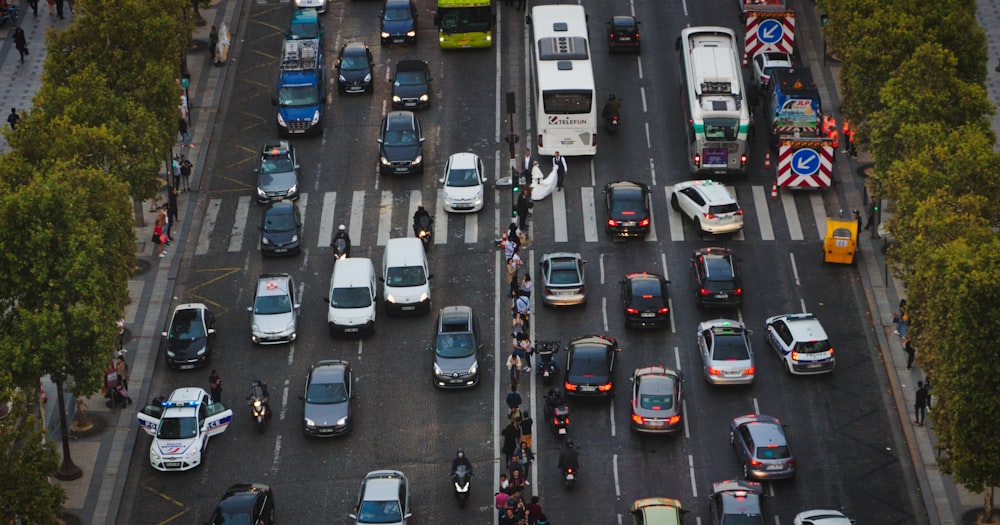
{"x": 801, "y": 216}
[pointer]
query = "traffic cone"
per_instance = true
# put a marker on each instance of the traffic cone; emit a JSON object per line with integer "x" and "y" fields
{"x": 767, "y": 161}
{"x": 774, "y": 190}
{"x": 745, "y": 62}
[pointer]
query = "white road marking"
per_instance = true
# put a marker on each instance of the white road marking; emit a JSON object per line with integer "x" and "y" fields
{"x": 211, "y": 216}
{"x": 763, "y": 215}
{"x": 791, "y": 216}
{"x": 326, "y": 219}
{"x": 239, "y": 225}
{"x": 589, "y": 214}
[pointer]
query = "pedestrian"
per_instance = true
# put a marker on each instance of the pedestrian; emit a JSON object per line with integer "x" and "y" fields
{"x": 185, "y": 132}
{"x": 522, "y": 347}
{"x": 525, "y": 289}
{"x": 523, "y": 208}
{"x": 508, "y": 518}
{"x": 186, "y": 172}
{"x": 526, "y": 163}
{"x": 215, "y": 383}
{"x": 521, "y": 307}
{"x": 517, "y": 480}
{"x": 871, "y": 213}
{"x": 534, "y": 511}
{"x": 517, "y": 327}
{"x": 513, "y": 398}
{"x": 123, "y": 371}
{"x": 902, "y": 319}
{"x": 158, "y": 238}
{"x": 857, "y": 218}
{"x": 175, "y": 170}
{"x": 559, "y": 162}
{"x": 52, "y": 7}
{"x": 527, "y": 458}
{"x": 511, "y": 437}
{"x": 516, "y": 459}
{"x": 513, "y": 263}
{"x": 121, "y": 334}
{"x": 213, "y": 42}
{"x": 34, "y": 6}
{"x": 514, "y": 365}
{"x": 13, "y": 118}
{"x": 20, "y": 42}
{"x": 59, "y": 8}
{"x": 163, "y": 218}
{"x": 500, "y": 499}
{"x": 526, "y": 425}
{"x": 921, "y": 403}
{"x": 504, "y": 487}
{"x": 910, "y": 353}
{"x": 172, "y": 193}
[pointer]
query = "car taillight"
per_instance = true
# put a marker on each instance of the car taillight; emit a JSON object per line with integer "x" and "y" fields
{"x": 710, "y": 216}
{"x": 795, "y": 356}
{"x": 612, "y": 222}
{"x": 606, "y": 387}
{"x": 714, "y": 371}
{"x": 739, "y": 212}
{"x": 593, "y": 140}
{"x": 738, "y": 291}
{"x": 638, "y": 419}
{"x": 790, "y": 461}
{"x": 703, "y": 291}
{"x": 548, "y": 291}
{"x": 674, "y": 420}
{"x": 582, "y": 290}
{"x": 755, "y": 463}
{"x": 632, "y": 311}
{"x": 663, "y": 310}
{"x": 697, "y": 159}
{"x": 569, "y": 386}
{"x": 612, "y": 35}
{"x": 636, "y": 36}
{"x": 750, "y": 371}
{"x": 831, "y": 351}
{"x": 644, "y": 222}
{"x": 743, "y": 160}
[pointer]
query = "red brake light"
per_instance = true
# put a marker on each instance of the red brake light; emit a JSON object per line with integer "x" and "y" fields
{"x": 750, "y": 371}
{"x": 674, "y": 420}
{"x": 739, "y": 211}
{"x": 755, "y": 463}
{"x": 569, "y": 386}
{"x": 743, "y": 160}
{"x": 738, "y": 291}
{"x": 714, "y": 371}
{"x": 628, "y": 213}
{"x": 697, "y": 159}
{"x": 638, "y": 419}
{"x": 632, "y": 311}
{"x": 612, "y": 222}
{"x": 644, "y": 222}
{"x": 710, "y": 216}
{"x": 703, "y": 291}
{"x": 663, "y": 310}
{"x": 606, "y": 387}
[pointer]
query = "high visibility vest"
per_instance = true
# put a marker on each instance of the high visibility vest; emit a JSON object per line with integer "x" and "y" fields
{"x": 849, "y": 135}
{"x": 836, "y": 138}
{"x": 825, "y": 125}
{"x": 846, "y": 128}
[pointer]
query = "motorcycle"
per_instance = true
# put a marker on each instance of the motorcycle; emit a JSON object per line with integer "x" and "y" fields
{"x": 341, "y": 250}
{"x": 461, "y": 479}
{"x": 612, "y": 118}
{"x": 569, "y": 477}
{"x": 546, "y": 365}
{"x": 424, "y": 230}
{"x": 557, "y": 413}
{"x": 258, "y": 401}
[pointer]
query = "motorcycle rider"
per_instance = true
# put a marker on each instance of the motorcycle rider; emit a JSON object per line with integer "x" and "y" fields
{"x": 553, "y": 399}
{"x": 612, "y": 108}
{"x": 259, "y": 389}
{"x": 342, "y": 234}
{"x": 461, "y": 460}
{"x": 569, "y": 458}
{"x": 420, "y": 217}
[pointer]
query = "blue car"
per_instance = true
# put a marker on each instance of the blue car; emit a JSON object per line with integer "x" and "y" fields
{"x": 399, "y": 22}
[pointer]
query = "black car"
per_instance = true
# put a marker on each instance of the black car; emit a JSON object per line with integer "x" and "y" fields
{"x": 402, "y": 150}
{"x": 189, "y": 336}
{"x": 645, "y": 299}
{"x": 456, "y": 345}
{"x": 627, "y": 207}
{"x": 411, "y": 85}
{"x": 245, "y": 503}
{"x": 399, "y": 22}
{"x": 354, "y": 68}
{"x": 623, "y": 34}
{"x": 327, "y": 399}
{"x": 716, "y": 277}
{"x": 281, "y": 229}
{"x": 737, "y": 501}
{"x": 590, "y": 366}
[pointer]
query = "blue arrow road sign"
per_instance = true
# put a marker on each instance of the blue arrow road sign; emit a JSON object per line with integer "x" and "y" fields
{"x": 805, "y": 161}
{"x": 769, "y": 31}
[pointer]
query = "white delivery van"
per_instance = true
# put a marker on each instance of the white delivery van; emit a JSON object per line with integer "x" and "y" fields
{"x": 352, "y": 297}
{"x": 405, "y": 276}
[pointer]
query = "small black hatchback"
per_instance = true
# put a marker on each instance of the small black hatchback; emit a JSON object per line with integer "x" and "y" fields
{"x": 623, "y": 34}
{"x": 716, "y": 276}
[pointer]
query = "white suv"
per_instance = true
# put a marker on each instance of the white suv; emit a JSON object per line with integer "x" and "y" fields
{"x": 764, "y": 65}
{"x": 710, "y": 206}
{"x": 801, "y": 343}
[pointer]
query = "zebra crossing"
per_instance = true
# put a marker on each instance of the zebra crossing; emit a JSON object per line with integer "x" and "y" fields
{"x": 386, "y": 214}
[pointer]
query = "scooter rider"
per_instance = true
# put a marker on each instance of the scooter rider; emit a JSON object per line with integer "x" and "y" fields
{"x": 342, "y": 234}
{"x": 553, "y": 399}
{"x": 569, "y": 458}
{"x": 259, "y": 388}
{"x": 461, "y": 460}
{"x": 612, "y": 107}
{"x": 420, "y": 217}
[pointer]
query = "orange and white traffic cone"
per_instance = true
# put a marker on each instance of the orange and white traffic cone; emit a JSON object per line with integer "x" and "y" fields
{"x": 767, "y": 161}
{"x": 745, "y": 62}
{"x": 774, "y": 190}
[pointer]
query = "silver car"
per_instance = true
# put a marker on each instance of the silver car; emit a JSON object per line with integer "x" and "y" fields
{"x": 328, "y": 394}
{"x": 726, "y": 354}
{"x": 275, "y": 310}
{"x": 456, "y": 345}
{"x": 760, "y": 444}
{"x": 384, "y": 498}
{"x": 563, "y": 279}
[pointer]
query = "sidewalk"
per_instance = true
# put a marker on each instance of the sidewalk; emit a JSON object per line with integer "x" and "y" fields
{"x": 104, "y": 454}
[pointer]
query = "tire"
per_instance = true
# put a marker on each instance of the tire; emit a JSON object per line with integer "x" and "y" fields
{"x": 674, "y": 204}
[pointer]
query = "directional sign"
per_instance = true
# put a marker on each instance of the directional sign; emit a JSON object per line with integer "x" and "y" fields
{"x": 805, "y": 161}
{"x": 769, "y": 31}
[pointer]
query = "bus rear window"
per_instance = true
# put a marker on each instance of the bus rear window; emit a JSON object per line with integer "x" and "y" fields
{"x": 566, "y": 103}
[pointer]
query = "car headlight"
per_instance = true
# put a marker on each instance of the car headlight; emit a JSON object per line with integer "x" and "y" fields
{"x": 424, "y": 98}
{"x": 385, "y": 161}
{"x": 397, "y": 98}
{"x": 342, "y": 421}
{"x": 368, "y": 77}
{"x": 411, "y": 33}
{"x": 342, "y": 78}
{"x": 437, "y": 370}
{"x": 281, "y": 121}
{"x": 385, "y": 35}
{"x": 192, "y": 452}
{"x": 254, "y": 328}
{"x": 389, "y": 298}
{"x": 170, "y": 353}
{"x": 263, "y": 240}
{"x": 425, "y": 297}
{"x": 309, "y": 422}
{"x": 154, "y": 454}
{"x": 419, "y": 159}
{"x": 261, "y": 192}
{"x": 294, "y": 189}
{"x": 295, "y": 238}
{"x": 315, "y": 118}
{"x": 203, "y": 350}
{"x": 474, "y": 368}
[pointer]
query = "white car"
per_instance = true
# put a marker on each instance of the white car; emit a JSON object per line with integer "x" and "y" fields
{"x": 181, "y": 427}
{"x": 275, "y": 311}
{"x": 764, "y": 65}
{"x": 801, "y": 343}
{"x": 463, "y": 183}
{"x": 822, "y": 517}
{"x": 710, "y": 206}
{"x": 726, "y": 352}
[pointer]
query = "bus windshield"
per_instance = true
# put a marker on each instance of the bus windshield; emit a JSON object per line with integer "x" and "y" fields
{"x": 465, "y": 19}
{"x": 721, "y": 128}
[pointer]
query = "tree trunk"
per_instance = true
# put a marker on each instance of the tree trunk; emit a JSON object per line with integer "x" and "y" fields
{"x": 988, "y": 506}
{"x": 68, "y": 470}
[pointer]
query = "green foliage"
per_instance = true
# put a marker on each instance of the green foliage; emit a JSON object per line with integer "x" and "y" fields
{"x": 30, "y": 460}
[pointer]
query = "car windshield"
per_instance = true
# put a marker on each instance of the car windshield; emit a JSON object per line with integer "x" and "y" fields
{"x": 411, "y": 78}
{"x": 393, "y": 14}
{"x": 400, "y": 138}
{"x": 187, "y": 326}
{"x": 304, "y": 30}
{"x": 177, "y": 428}
{"x": 380, "y": 512}
{"x": 405, "y": 276}
{"x": 721, "y": 209}
{"x": 773, "y": 452}
{"x": 626, "y": 202}
{"x": 350, "y": 298}
{"x": 272, "y": 304}
{"x": 276, "y": 164}
{"x": 354, "y": 63}
{"x": 730, "y": 347}
{"x": 564, "y": 275}
{"x": 812, "y": 347}
{"x": 465, "y": 19}
{"x": 326, "y": 393}
{"x": 455, "y": 345}
{"x": 656, "y": 402}
{"x": 646, "y": 289}
{"x": 462, "y": 178}
{"x": 279, "y": 222}
{"x": 293, "y": 96}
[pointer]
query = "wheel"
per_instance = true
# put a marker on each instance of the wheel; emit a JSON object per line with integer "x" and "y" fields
{"x": 674, "y": 204}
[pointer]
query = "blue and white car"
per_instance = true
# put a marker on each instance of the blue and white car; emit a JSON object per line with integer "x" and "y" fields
{"x": 181, "y": 427}
{"x": 801, "y": 343}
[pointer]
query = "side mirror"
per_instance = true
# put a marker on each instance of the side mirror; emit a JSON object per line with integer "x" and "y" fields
{"x": 378, "y": 140}
{"x": 249, "y": 308}
{"x": 749, "y": 331}
{"x": 298, "y": 305}
{"x": 422, "y": 139}
{"x": 326, "y": 299}
{"x": 430, "y": 349}
{"x": 441, "y": 180}
{"x": 381, "y": 279}
{"x": 164, "y": 334}
{"x": 430, "y": 276}
{"x": 211, "y": 331}
{"x": 259, "y": 227}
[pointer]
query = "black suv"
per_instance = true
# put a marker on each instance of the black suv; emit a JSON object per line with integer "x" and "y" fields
{"x": 623, "y": 34}
{"x": 410, "y": 85}
{"x": 645, "y": 300}
{"x": 627, "y": 207}
{"x": 354, "y": 68}
{"x": 401, "y": 141}
{"x": 590, "y": 366}
{"x": 716, "y": 277}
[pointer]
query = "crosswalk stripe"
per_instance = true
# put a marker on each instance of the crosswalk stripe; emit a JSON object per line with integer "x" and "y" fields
{"x": 589, "y": 214}
{"x": 384, "y": 218}
{"x": 651, "y": 236}
{"x": 675, "y": 218}
{"x": 211, "y": 216}
{"x": 560, "y": 232}
{"x": 240, "y": 225}
{"x": 763, "y": 216}
{"x": 303, "y": 204}
{"x": 738, "y": 236}
{"x": 357, "y": 215}
{"x": 471, "y": 228}
{"x": 326, "y": 219}
{"x": 791, "y": 216}
{"x": 819, "y": 212}
{"x": 440, "y": 216}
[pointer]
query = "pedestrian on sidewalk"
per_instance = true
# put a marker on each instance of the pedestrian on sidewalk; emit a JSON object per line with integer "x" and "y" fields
{"x": 921, "y": 403}
{"x": 526, "y": 426}
{"x": 857, "y": 218}
{"x": 121, "y": 334}
{"x": 123, "y": 371}
{"x": 34, "y": 6}
{"x": 213, "y": 41}
{"x": 902, "y": 319}
{"x": 514, "y": 365}
{"x": 910, "y": 353}
{"x": 175, "y": 170}
{"x": 522, "y": 347}
{"x": 185, "y": 132}
{"x": 13, "y": 118}
{"x": 59, "y": 8}
{"x": 511, "y": 437}
{"x": 215, "y": 384}
{"x": 513, "y": 398}
{"x": 52, "y": 7}
{"x": 171, "y": 217}
{"x": 20, "y": 42}
{"x": 158, "y": 239}
{"x": 871, "y": 213}
{"x": 186, "y": 167}
{"x": 163, "y": 219}
{"x": 172, "y": 204}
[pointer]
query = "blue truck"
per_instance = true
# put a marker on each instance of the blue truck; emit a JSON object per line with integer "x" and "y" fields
{"x": 793, "y": 105}
{"x": 301, "y": 92}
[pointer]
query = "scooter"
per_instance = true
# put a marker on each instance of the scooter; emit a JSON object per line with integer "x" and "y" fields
{"x": 424, "y": 230}
{"x": 461, "y": 479}
{"x": 557, "y": 412}
{"x": 341, "y": 250}
{"x": 612, "y": 123}
{"x": 258, "y": 405}
{"x": 569, "y": 477}
{"x": 546, "y": 365}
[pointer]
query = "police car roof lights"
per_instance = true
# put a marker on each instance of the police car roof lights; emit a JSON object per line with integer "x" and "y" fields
{"x": 176, "y": 404}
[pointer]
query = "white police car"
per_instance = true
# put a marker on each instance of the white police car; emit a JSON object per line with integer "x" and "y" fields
{"x": 801, "y": 343}
{"x": 181, "y": 428}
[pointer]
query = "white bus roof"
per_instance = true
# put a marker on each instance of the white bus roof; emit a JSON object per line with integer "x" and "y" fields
{"x": 562, "y": 50}
{"x": 712, "y": 67}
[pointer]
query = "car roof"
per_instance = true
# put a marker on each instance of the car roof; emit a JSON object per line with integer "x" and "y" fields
{"x": 241, "y": 495}
{"x": 776, "y": 59}
{"x": 714, "y": 192}
{"x": 644, "y": 276}
{"x": 273, "y": 284}
{"x": 187, "y": 394}
{"x": 464, "y": 160}
{"x": 722, "y": 326}
{"x": 383, "y": 485}
{"x": 329, "y": 370}
{"x": 766, "y": 431}
{"x": 358, "y": 48}
{"x": 804, "y": 327}
{"x": 453, "y": 315}
{"x": 561, "y": 255}
{"x": 718, "y": 265}
{"x": 659, "y": 511}
{"x": 400, "y": 119}
{"x": 411, "y": 65}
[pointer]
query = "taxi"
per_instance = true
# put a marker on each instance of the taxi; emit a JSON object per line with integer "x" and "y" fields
{"x": 275, "y": 310}
{"x": 181, "y": 426}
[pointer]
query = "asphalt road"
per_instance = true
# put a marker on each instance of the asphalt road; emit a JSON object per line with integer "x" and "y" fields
{"x": 838, "y": 425}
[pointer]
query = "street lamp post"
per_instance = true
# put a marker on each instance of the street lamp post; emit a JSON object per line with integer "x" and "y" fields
{"x": 512, "y": 140}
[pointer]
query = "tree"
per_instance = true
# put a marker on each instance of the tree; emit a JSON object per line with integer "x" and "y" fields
{"x": 30, "y": 460}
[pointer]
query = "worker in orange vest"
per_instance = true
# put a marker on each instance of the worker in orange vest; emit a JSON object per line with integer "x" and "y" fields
{"x": 824, "y": 127}
{"x": 849, "y": 138}
{"x": 836, "y": 138}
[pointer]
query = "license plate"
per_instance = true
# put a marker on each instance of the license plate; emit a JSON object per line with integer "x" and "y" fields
{"x": 775, "y": 467}
{"x": 732, "y": 374}
{"x": 409, "y": 104}
{"x": 405, "y": 308}
{"x": 814, "y": 365}
{"x": 587, "y": 389}
{"x": 722, "y": 295}
{"x": 325, "y": 430}
{"x": 454, "y": 380}
{"x": 397, "y": 40}
{"x": 648, "y": 314}
{"x": 562, "y": 431}
{"x": 625, "y": 38}
{"x": 172, "y": 464}
{"x": 402, "y": 170}
{"x": 280, "y": 250}
{"x": 564, "y": 293}
{"x": 350, "y": 329}
{"x": 186, "y": 367}
{"x": 654, "y": 423}
{"x": 628, "y": 223}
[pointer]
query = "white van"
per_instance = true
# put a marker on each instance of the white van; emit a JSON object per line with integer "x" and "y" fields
{"x": 405, "y": 276}
{"x": 352, "y": 297}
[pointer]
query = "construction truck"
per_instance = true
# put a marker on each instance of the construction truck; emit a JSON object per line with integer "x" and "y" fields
{"x": 792, "y": 106}
{"x": 301, "y": 91}
{"x": 760, "y": 6}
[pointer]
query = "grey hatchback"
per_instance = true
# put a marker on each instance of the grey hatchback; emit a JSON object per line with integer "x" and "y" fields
{"x": 761, "y": 446}
{"x": 328, "y": 395}
{"x": 737, "y": 501}
{"x": 456, "y": 343}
